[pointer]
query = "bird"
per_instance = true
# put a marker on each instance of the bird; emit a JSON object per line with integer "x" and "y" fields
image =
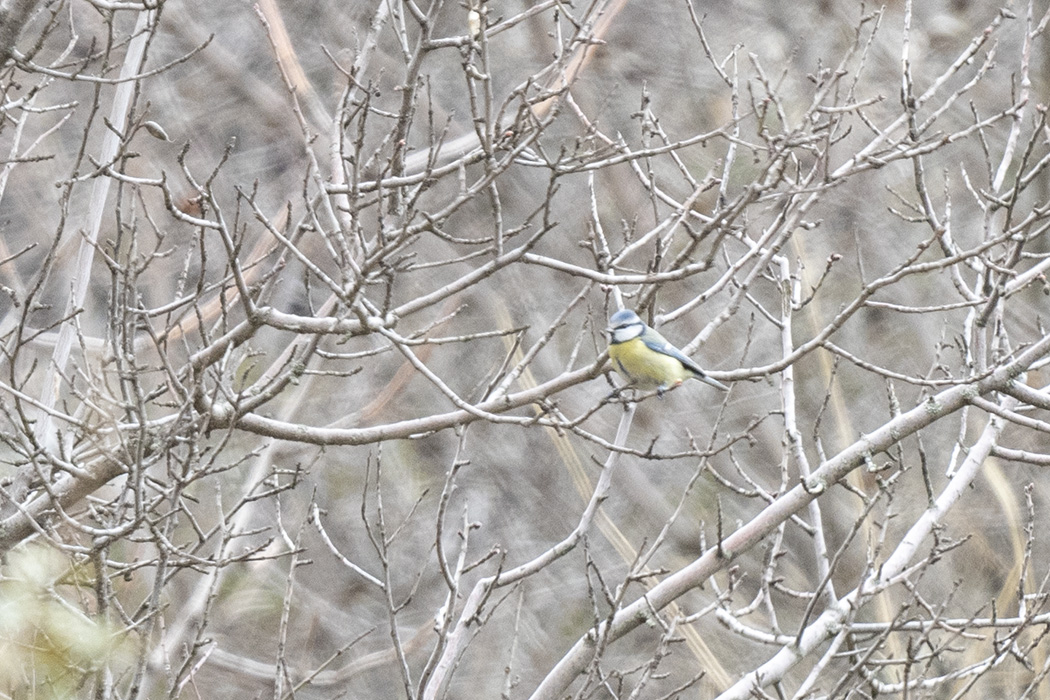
{"x": 646, "y": 360}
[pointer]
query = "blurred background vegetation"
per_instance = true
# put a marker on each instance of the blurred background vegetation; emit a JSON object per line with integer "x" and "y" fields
{"x": 275, "y": 277}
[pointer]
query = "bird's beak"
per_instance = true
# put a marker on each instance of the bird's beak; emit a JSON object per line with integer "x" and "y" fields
{"x": 607, "y": 332}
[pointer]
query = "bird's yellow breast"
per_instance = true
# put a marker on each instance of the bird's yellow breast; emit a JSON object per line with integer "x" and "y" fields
{"x": 645, "y": 368}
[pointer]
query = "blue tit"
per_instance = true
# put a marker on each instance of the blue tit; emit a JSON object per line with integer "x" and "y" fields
{"x": 645, "y": 359}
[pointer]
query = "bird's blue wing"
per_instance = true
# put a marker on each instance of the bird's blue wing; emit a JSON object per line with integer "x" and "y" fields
{"x": 657, "y": 343}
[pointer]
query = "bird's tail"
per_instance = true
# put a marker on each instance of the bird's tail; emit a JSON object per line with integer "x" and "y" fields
{"x": 713, "y": 382}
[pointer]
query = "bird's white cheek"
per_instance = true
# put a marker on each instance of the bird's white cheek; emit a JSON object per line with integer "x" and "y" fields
{"x": 622, "y": 335}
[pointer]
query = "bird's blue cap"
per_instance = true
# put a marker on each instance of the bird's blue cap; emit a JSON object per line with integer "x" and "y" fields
{"x": 623, "y": 316}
